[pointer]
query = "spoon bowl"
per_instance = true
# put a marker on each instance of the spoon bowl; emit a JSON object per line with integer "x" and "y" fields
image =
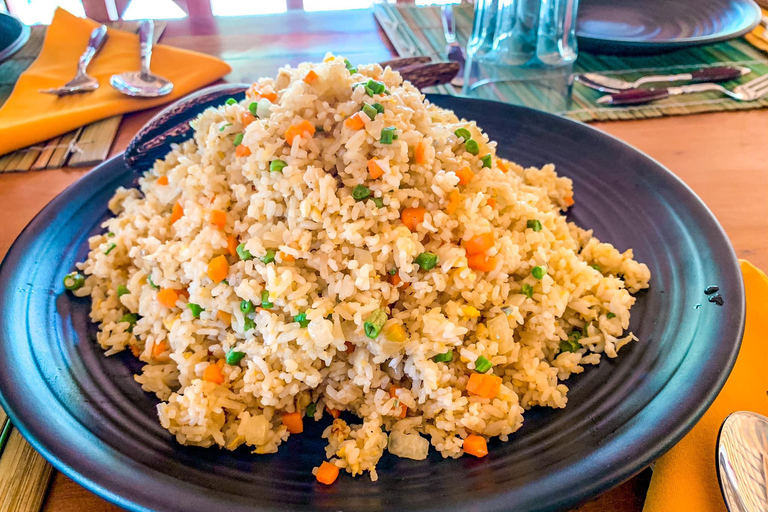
{"x": 742, "y": 462}
{"x": 143, "y": 83}
{"x": 135, "y": 83}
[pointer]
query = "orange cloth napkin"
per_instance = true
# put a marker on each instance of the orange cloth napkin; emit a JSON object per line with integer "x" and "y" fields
{"x": 756, "y": 37}
{"x": 685, "y": 479}
{"x": 29, "y": 116}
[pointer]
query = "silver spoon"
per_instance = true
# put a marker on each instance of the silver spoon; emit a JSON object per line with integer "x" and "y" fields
{"x": 742, "y": 462}
{"x": 143, "y": 83}
{"x": 711, "y": 74}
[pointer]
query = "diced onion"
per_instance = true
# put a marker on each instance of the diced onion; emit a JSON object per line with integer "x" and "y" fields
{"x": 501, "y": 333}
{"x": 408, "y": 446}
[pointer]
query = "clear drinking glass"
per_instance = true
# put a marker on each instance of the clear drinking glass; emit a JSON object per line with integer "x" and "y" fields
{"x": 522, "y": 52}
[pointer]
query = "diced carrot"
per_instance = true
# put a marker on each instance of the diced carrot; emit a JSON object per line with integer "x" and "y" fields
{"x": 242, "y": 150}
{"x": 218, "y": 269}
{"x": 299, "y": 130}
{"x": 219, "y": 218}
{"x": 184, "y": 293}
{"x": 375, "y": 169}
{"x": 403, "y": 408}
{"x": 484, "y": 385}
{"x": 480, "y": 243}
{"x": 268, "y": 93}
{"x": 286, "y": 257}
{"x": 168, "y": 297}
{"x": 224, "y": 317}
{"x": 159, "y": 348}
{"x": 135, "y": 350}
{"x": 327, "y": 473}
{"x": 333, "y": 412}
{"x": 177, "y": 212}
{"x": 420, "y": 153}
{"x": 232, "y": 245}
{"x": 501, "y": 165}
{"x": 162, "y": 180}
{"x": 220, "y": 363}
{"x": 465, "y": 175}
{"x": 248, "y": 118}
{"x": 350, "y": 347}
{"x": 481, "y": 262}
{"x": 293, "y": 422}
{"x": 355, "y": 121}
{"x": 310, "y": 77}
{"x": 397, "y": 282}
{"x": 569, "y": 200}
{"x": 475, "y": 445}
{"x": 454, "y": 200}
{"x": 412, "y": 217}
{"x": 212, "y": 373}
{"x": 491, "y": 202}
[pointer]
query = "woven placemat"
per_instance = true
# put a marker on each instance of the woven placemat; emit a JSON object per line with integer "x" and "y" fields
{"x": 419, "y": 31}
{"x": 85, "y": 146}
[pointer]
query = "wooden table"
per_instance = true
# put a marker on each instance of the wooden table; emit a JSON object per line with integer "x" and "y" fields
{"x": 723, "y": 157}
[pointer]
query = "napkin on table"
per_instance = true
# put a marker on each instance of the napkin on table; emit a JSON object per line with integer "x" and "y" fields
{"x": 28, "y": 117}
{"x": 685, "y": 479}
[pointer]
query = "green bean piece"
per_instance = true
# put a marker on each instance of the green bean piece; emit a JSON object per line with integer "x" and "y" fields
{"x": 73, "y": 281}
{"x": 446, "y": 357}
{"x": 374, "y": 323}
{"x": 426, "y": 260}
{"x": 482, "y": 364}
{"x": 265, "y": 300}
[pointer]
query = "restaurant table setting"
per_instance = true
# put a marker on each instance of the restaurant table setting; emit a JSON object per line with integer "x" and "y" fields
{"x": 86, "y": 75}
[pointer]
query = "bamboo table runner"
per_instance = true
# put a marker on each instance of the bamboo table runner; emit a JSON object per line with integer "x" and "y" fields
{"x": 86, "y": 146}
{"x": 419, "y": 31}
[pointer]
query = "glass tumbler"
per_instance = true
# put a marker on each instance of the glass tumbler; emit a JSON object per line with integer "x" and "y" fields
{"x": 522, "y": 52}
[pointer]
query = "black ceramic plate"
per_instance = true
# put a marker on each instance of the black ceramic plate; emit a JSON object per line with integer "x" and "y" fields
{"x": 13, "y": 35}
{"x": 86, "y": 415}
{"x": 652, "y": 26}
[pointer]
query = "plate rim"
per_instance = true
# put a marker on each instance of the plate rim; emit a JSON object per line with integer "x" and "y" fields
{"x": 671, "y": 44}
{"x": 117, "y": 494}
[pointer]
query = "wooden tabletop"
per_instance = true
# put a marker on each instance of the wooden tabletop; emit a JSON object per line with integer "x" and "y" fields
{"x": 723, "y": 157}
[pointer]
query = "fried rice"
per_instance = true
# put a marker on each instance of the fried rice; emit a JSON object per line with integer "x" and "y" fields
{"x": 334, "y": 242}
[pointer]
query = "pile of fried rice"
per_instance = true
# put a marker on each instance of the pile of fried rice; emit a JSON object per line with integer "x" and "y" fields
{"x": 335, "y": 243}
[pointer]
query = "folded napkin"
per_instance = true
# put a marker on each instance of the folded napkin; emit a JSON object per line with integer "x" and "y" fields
{"x": 29, "y": 116}
{"x": 685, "y": 479}
{"x": 757, "y": 37}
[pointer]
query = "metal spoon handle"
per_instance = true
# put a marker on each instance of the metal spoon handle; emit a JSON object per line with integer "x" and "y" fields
{"x": 98, "y": 36}
{"x": 146, "y": 35}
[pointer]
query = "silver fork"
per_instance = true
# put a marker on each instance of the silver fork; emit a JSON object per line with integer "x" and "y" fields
{"x": 750, "y": 91}
{"x": 83, "y": 82}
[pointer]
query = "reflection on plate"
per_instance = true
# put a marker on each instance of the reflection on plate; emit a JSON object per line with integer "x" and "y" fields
{"x": 85, "y": 413}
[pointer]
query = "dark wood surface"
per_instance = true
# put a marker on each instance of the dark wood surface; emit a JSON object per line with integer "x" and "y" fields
{"x": 723, "y": 157}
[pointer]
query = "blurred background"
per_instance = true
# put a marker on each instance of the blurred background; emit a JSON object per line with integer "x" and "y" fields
{"x": 35, "y": 12}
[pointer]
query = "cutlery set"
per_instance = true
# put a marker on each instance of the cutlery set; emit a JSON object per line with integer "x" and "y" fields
{"x": 702, "y": 80}
{"x": 142, "y": 83}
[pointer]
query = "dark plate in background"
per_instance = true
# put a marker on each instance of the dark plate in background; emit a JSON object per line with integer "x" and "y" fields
{"x": 13, "y": 35}
{"x": 85, "y": 413}
{"x": 652, "y": 26}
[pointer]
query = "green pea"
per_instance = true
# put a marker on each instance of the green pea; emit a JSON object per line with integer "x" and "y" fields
{"x": 538, "y": 272}
{"x": 426, "y": 260}
{"x": 122, "y": 290}
{"x": 234, "y": 357}
{"x": 195, "y": 309}
{"x": 246, "y": 307}
{"x": 463, "y": 133}
{"x": 277, "y": 165}
{"x": 534, "y": 225}
{"x": 243, "y": 253}
{"x": 472, "y": 146}
{"x": 528, "y": 290}
{"x": 269, "y": 257}
{"x": 361, "y": 192}
{"x": 265, "y": 300}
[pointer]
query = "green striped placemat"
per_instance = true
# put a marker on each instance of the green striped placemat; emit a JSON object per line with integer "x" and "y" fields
{"x": 419, "y": 31}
